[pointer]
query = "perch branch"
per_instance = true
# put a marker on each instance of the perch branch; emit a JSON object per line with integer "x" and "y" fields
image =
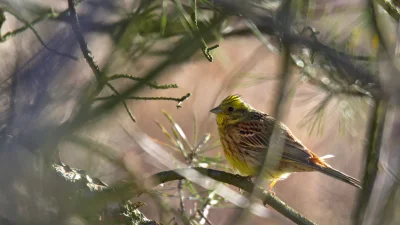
{"x": 130, "y": 190}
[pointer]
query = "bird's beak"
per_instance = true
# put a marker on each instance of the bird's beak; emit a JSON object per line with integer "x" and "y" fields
{"x": 216, "y": 110}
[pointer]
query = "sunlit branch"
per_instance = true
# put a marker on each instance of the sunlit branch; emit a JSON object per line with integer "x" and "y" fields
{"x": 130, "y": 190}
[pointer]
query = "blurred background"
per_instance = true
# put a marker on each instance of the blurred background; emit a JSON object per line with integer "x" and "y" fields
{"x": 98, "y": 95}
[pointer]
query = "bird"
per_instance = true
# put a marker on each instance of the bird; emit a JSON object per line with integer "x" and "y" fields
{"x": 247, "y": 134}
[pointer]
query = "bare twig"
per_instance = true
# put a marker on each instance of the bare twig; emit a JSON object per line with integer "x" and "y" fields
{"x": 151, "y": 84}
{"x": 181, "y": 99}
{"x": 204, "y": 217}
{"x": 89, "y": 58}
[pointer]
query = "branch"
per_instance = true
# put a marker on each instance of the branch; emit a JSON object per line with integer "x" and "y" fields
{"x": 81, "y": 40}
{"x": 150, "y": 84}
{"x": 270, "y": 26}
{"x": 181, "y": 51}
{"x": 130, "y": 190}
{"x": 89, "y": 58}
{"x": 123, "y": 102}
{"x": 373, "y": 152}
{"x": 181, "y": 99}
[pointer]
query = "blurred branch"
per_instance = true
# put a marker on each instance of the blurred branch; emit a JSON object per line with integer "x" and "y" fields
{"x": 377, "y": 120}
{"x": 277, "y": 111}
{"x": 184, "y": 48}
{"x": 390, "y": 7}
{"x": 270, "y": 26}
{"x": 29, "y": 25}
{"x": 87, "y": 54}
{"x": 379, "y": 30}
{"x": 130, "y": 190}
{"x": 373, "y": 152}
{"x": 314, "y": 35}
{"x": 114, "y": 157}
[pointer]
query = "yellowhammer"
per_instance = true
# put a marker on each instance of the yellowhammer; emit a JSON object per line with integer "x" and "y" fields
{"x": 245, "y": 135}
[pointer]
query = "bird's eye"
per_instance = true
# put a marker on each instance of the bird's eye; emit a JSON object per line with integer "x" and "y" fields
{"x": 231, "y": 109}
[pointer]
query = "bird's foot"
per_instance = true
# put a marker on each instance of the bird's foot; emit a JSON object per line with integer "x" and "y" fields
{"x": 269, "y": 192}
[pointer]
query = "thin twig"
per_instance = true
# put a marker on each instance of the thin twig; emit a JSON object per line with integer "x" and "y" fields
{"x": 87, "y": 54}
{"x": 123, "y": 102}
{"x": 150, "y": 84}
{"x": 181, "y": 99}
{"x": 171, "y": 220}
{"x": 89, "y": 58}
{"x": 204, "y": 217}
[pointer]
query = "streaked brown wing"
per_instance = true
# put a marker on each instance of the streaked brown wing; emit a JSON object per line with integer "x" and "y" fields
{"x": 250, "y": 135}
{"x": 294, "y": 149}
{"x": 255, "y": 136}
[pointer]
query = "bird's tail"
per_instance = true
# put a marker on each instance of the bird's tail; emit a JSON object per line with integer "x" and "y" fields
{"x": 340, "y": 176}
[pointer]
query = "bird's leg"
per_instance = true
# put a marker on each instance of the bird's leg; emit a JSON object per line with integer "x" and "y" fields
{"x": 270, "y": 190}
{"x": 272, "y": 185}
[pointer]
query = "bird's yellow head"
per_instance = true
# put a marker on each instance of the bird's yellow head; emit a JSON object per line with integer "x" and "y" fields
{"x": 232, "y": 109}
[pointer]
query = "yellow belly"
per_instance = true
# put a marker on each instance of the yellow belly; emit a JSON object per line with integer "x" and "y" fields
{"x": 240, "y": 165}
{"x": 247, "y": 162}
{"x": 247, "y": 168}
